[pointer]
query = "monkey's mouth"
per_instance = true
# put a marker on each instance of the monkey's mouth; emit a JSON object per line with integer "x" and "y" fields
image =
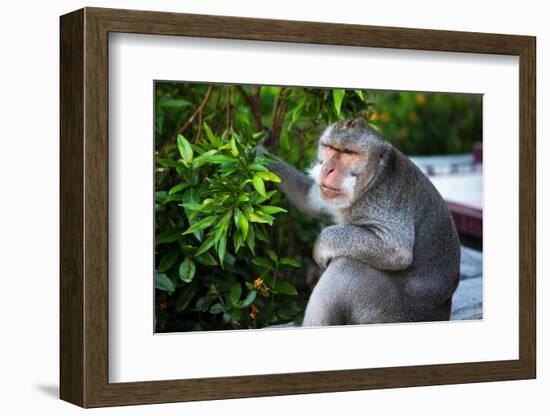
{"x": 330, "y": 191}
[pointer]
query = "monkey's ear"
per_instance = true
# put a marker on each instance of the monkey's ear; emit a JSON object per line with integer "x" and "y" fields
{"x": 355, "y": 122}
{"x": 386, "y": 156}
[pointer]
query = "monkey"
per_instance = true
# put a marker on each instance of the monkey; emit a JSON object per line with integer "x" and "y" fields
{"x": 393, "y": 254}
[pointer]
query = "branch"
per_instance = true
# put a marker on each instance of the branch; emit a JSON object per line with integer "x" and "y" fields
{"x": 199, "y": 130}
{"x": 278, "y": 124}
{"x": 198, "y": 110}
{"x": 254, "y": 106}
{"x": 227, "y": 111}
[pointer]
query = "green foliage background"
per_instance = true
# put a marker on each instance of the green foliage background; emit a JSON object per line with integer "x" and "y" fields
{"x": 230, "y": 252}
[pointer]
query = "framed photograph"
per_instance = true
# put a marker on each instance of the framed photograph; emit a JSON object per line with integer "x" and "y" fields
{"x": 255, "y": 207}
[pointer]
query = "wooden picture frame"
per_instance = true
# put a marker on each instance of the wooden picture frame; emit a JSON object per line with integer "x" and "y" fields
{"x": 84, "y": 207}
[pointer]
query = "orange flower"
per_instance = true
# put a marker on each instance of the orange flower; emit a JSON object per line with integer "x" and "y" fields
{"x": 253, "y": 311}
{"x": 420, "y": 99}
{"x": 257, "y": 284}
{"x": 385, "y": 117}
{"x": 261, "y": 287}
{"x": 373, "y": 116}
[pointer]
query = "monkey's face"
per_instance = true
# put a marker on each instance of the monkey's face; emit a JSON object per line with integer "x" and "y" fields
{"x": 337, "y": 171}
{"x": 350, "y": 158}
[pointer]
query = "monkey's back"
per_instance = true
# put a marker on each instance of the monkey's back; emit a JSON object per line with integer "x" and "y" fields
{"x": 436, "y": 257}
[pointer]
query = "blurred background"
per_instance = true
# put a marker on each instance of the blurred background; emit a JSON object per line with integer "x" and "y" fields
{"x": 230, "y": 252}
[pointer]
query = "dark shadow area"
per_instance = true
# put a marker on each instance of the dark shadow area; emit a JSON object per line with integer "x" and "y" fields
{"x": 49, "y": 390}
{"x": 471, "y": 242}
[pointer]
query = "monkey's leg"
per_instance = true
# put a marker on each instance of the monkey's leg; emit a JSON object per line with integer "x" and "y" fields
{"x": 352, "y": 292}
{"x": 325, "y": 306}
{"x": 429, "y": 297}
{"x": 443, "y": 313}
{"x": 373, "y": 295}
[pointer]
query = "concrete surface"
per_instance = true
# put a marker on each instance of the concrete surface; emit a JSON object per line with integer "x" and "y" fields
{"x": 468, "y": 298}
{"x": 446, "y": 164}
{"x": 462, "y": 188}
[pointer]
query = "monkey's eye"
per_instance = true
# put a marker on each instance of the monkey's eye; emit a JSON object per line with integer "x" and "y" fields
{"x": 348, "y": 152}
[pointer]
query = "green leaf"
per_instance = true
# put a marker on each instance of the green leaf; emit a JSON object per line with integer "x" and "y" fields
{"x": 338, "y": 97}
{"x": 222, "y": 226}
{"x": 258, "y": 183}
{"x": 237, "y": 241}
{"x": 159, "y": 122}
{"x": 262, "y": 262}
{"x": 184, "y": 298}
{"x": 163, "y": 282}
{"x": 174, "y": 103}
{"x": 260, "y": 235}
{"x": 203, "y": 303}
{"x": 268, "y": 195}
{"x": 271, "y": 209}
{"x": 168, "y": 236}
{"x": 191, "y": 196}
{"x": 290, "y": 262}
{"x": 257, "y": 167}
{"x": 207, "y": 259}
{"x": 268, "y": 176}
{"x": 235, "y": 294}
{"x": 167, "y": 163}
{"x": 192, "y": 207}
{"x": 236, "y": 315}
{"x": 217, "y": 308}
{"x": 297, "y": 110}
{"x": 178, "y": 187}
{"x": 167, "y": 261}
{"x": 216, "y": 159}
{"x": 234, "y": 150}
{"x": 242, "y": 222}
{"x": 236, "y": 214}
{"x": 221, "y": 248}
{"x": 211, "y": 137}
{"x": 250, "y": 240}
{"x": 229, "y": 258}
{"x": 255, "y": 217}
{"x": 249, "y": 299}
{"x": 187, "y": 270}
{"x": 202, "y": 224}
{"x": 285, "y": 288}
{"x": 185, "y": 149}
{"x": 160, "y": 196}
{"x": 170, "y": 198}
{"x": 272, "y": 255}
{"x": 375, "y": 127}
{"x": 360, "y": 95}
{"x": 205, "y": 246}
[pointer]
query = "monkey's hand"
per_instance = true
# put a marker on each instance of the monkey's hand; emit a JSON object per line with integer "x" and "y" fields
{"x": 261, "y": 150}
{"x": 322, "y": 250}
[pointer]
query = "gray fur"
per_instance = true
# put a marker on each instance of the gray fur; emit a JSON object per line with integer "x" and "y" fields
{"x": 394, "y": 255}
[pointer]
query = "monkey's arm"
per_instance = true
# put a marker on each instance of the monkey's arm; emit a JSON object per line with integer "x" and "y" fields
{"x": 387, "y": 247}
{"x": 299, "y": 188}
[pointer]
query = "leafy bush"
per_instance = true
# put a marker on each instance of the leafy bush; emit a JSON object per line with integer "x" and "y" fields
{"x": 220, "y": 200}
